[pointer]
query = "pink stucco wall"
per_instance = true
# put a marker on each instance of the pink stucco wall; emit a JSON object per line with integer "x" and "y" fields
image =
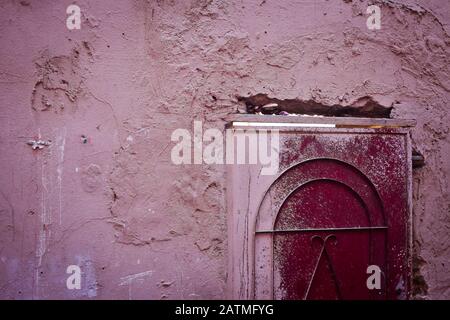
{"x": 113, "y": 203}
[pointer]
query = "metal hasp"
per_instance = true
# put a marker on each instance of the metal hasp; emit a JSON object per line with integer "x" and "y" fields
{"x": 339, "y": 203}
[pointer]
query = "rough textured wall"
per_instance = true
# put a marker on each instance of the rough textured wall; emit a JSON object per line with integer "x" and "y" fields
{"x": 104, "y": 193}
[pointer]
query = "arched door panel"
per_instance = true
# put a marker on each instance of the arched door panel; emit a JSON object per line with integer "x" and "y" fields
{"x": 323, "y": 242}
{"x": 326, "y": 226}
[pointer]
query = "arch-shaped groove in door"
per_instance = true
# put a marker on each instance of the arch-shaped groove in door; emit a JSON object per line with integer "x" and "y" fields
{"x": 320, "y": 225}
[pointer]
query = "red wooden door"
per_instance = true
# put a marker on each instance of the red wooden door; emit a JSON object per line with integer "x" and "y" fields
{"x": 336, "y": 222}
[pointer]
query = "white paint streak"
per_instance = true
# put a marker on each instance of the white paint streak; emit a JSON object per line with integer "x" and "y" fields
{"x": 61, "y": 142}
{"x": 44, "y": 223}
{"x": 132, "y": 277}
{"x": 128, "y": 280}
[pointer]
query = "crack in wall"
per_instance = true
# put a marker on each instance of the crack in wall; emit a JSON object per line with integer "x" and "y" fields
{"x": 365, "y": 107}
{"x": 419, "y": 285}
